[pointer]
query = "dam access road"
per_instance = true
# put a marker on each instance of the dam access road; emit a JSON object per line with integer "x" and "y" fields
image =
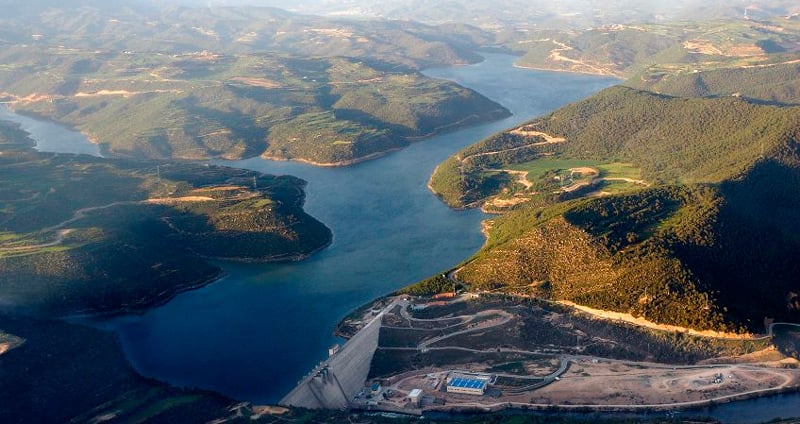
{"x": 442, "y": 341}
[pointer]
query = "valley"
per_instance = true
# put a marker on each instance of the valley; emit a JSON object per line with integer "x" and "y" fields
{"x": 623, "y": 250}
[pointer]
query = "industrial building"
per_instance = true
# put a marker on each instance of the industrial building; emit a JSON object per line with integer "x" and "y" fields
{"x": 468, "y": 383}
{"x": 415, "y": 397}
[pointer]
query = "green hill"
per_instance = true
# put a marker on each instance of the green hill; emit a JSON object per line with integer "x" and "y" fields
{"x": 197, "y": 106}
{"x": 683, "y": 211}
{"x": 775, "y": 83}
{"x": 660, "y": 48}
{"x": 667, "y": 140}
{"x": 700, "y": 257}
{"x": 168, "y": 29}
{"x": 82, "y": 234}
{"x": 197, "y": 83}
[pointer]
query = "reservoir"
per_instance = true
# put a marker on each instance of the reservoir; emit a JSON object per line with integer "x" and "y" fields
{"x": 253, "y": 334}
{"x": 52, "y": 137}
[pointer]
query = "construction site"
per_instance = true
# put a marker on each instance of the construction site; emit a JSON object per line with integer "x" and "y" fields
{"x": 467, "y": 353}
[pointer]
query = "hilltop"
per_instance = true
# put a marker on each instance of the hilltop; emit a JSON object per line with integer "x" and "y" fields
{"x": 679, "y": 210}
{"x": 236, "y": 83}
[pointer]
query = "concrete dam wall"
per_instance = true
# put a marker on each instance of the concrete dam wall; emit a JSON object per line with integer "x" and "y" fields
{"x": 332, "y": 384}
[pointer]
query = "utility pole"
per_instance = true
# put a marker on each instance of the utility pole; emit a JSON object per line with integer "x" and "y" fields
{"x": 255, "y": 183}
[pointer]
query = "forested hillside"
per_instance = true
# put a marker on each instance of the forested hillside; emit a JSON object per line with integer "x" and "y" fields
{"x": 668, "y": 48}
{"x": 679, "y": 210}
{"x": 773, "y": 84}
{"x": 669, "y": 140}
{"x": 198, "y": 83}
{"x": 195, "y": 106}
{"x": 702, "y": 257}
{"x": 82, "y": 234}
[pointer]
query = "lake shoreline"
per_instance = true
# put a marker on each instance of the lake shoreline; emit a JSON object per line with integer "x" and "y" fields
{"x": 469, "y": 121}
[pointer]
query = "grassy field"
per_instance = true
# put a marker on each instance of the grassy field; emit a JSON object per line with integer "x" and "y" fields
{"x": 539, "y": 168}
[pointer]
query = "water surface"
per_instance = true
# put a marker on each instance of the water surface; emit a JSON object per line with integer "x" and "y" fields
{"x": 253, "y": 334}
{"x": 50, "y": 137}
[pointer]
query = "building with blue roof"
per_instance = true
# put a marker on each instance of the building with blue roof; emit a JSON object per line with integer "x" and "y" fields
{"x": 468, "y": 384}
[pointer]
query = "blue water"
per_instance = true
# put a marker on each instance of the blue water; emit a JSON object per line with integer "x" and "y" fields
{"x": 50, "y": 137}
{"x": 253, "y": 334}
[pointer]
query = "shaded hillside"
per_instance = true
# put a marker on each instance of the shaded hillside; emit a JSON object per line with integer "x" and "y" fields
{"x": 94, "y": 235}
{"x": 700, "y": 257}
{"x": 12, "y": 137}
{"x": 683, "y": 211}
{"x": 63, "y": 372}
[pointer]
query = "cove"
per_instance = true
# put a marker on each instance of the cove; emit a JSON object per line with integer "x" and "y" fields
{"x": 51, "y": 137}
{"x": 254, "y": 333}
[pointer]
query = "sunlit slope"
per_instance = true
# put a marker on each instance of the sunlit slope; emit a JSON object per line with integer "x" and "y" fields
{"x": 151, "y": 27}
{"x": 777, "y": 83}
{"x": 151, "y": 81}
{"x": 670, "y": 140}
{"x": 681, "y": 211}
{"x": 669, "y": 48}
{"x": 196, "y": 106}
{"x": 703, "y": 257}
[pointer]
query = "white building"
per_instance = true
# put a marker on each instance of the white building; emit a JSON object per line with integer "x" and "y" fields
{"x": 415, "y": 397}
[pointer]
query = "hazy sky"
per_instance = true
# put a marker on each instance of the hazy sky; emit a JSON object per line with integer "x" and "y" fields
{"x": 584, "y": 6}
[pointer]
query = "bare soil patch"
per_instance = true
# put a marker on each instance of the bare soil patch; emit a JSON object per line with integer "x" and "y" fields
{"x": 619, "y": 316}
{"x": 257, "y": 82}
{"x": 530, "y": 133}
{"x": 616, "y": 383}
{"x": 173, "y": 200}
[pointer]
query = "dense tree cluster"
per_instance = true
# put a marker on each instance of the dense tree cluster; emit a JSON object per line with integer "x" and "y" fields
{"x": 83, "y": 234}
{"x": 773, "y": 84}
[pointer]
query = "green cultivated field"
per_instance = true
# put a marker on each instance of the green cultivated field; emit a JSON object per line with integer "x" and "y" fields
{"x": 538, "y": 168}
